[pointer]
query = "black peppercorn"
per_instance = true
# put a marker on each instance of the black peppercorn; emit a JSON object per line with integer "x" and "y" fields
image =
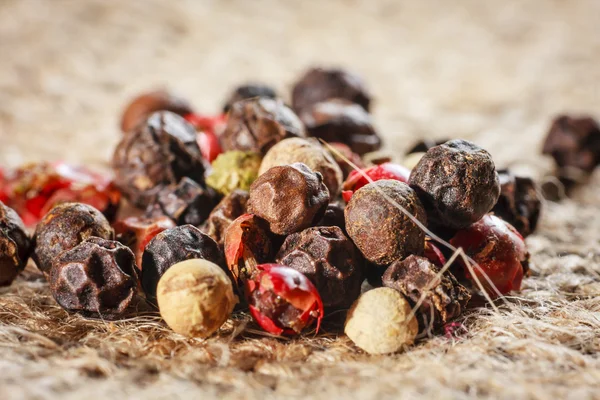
{"x": 574, "y": 143}
{"x": 138, "y": 110}
{"x": 444, "y": 298}
{"x": 258, "y": 124}
{"x": 15, "y": 245}
{"x": 380, "y": 230}
{"x": 519, "y": 204}
{"x": 334, "y": 216}
{"x": 96, "y": 278}
{"x": 337, "y": 120}
{"x": 232, "y": 206}
{"x": 185, "y": 203}
{"x": 172, "y": 246}
{"x": 249, "y": 91}
{"x": 329, "y": 259}
{"x": 63, "y": 228}
{"x": 457, "y": 183}
{"x": 157, "y": 153}
{"x": 289, "y": 197}
{"x": 320, "y": 84}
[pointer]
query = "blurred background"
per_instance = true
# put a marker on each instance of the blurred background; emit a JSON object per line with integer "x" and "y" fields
{"x": 494, "y": 72}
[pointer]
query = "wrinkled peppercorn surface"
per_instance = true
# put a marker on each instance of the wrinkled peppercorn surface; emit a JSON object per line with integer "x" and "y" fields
{"x": 157, "y": 153}
{"x": 63, "y": 228}
{"x": 518, "y": 204}
{"x": 172, "y": 246}
{"x": 96, "y": 278}
{"x": 457, "y": 183}
{"x": 289, "y": 197}
{"x": 228, "y": 209}
{"x": 380, "y": 230}
{"x": 329, "y": 259}
{"x": 15, "y": 245}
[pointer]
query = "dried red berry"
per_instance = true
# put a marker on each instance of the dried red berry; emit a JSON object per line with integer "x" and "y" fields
{"x": 356, "y": 179}
{"x": 247, "y": 244}
{"x": 33, "y": 189}
{"x": 283, "y": 301}
{"x": 136, "y": 233}
{"x": 433, "y": 253}
{"x": 209, "y": 128}
{"x": 498, "y": 249}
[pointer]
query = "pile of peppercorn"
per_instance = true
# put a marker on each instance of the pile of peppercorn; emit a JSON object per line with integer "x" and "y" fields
{"x": 282, "y": 211}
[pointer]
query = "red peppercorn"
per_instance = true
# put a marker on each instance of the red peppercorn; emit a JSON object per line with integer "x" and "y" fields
{"x": 283, "y": 301}
{"x": 356, "y": 179}
{"x": 209, "y": 128}
{"x": 433, "y": 253}
{"x": 498, "y": 249}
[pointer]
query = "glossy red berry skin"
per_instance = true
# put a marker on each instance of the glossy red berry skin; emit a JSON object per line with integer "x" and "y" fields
{"x": 282, "y": 300}
{"x": 209, "y": 128}
{"x": 433, "y": 253}
{"x": 356, "y": 179}
{"x": 498, "y": 249}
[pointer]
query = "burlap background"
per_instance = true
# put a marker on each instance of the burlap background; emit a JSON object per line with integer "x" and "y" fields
{"x": 493, "y": 72}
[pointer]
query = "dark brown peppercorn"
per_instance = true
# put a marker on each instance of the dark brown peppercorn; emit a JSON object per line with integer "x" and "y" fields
{"x": 232, "y": 206}
{"x": 334, "y": 216}
{"x": 249, "y": 91}
{"x": 519, "y": 204}
{"x": 258, "y": 124}
{"x": 63, "y": 228}
{"x": 457, "y": 183}
{"x": 185, "y": 203}
{"x": 172, "y": 246}
{"x": 15, "y": 245}
{"x": 142, "y": 106}
{"x": 290, "y": 198}
{"x": 574, "y": 143}
{"x": 380, "y": 230}
{"x": 158, "y": 153}
{"x": 445, "y": 299}
{"x": 96, "y": 278}
{"x": 329, "y": 259}
{"x": 337, "y": 120}
{"x": 320, "y": 84}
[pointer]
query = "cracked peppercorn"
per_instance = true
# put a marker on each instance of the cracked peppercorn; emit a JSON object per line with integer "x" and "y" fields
{"x": 63, "y": 228}
{"x": 15, "y": 245}
{"x": 457, "y": 183}
{"x": 156, "y": 154}
{"x": 329, "y": 259}
{"x": 96, "y": 278}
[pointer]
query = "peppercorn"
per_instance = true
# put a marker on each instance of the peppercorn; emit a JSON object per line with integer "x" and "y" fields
{"x": 574, "y": 143}
{"x": 248, "y": 243}
{"x": 63, "y": 228}
{"x": 96, "y": 278}
{"x": 209, "y": 129}
{"x": 334, "y": 216}
{"x": 257, "y": 124}
{"x": 195, "y": 297}
{"x": 500, "y": 252}
{"x": 423, "y": 146}
{"x": 457, "y": 183}
{"x": 136, "y": 233}
{"x": 185, "y": 203}
{"x": 290, "y": 198}
{"x": 337, "y": 120}
{"x": 380, "y": 322}
{"x": 234, "y": 170}
{"x": 343, "y": 156}
{"x": 157, "y": 153}
{"x": 249, "y": 91}
{"x": 15, "y": 245}
{"x": 282, "y": 300}
{"x": 387, "y": 170}
{"x": 443, "y": 297}
{"x": 329, "y": 259}
{"x": 320, "y": 84}
{"x": 232, "y": 206}
{"x": 172, "y": 246}
{"x": 380, "y": 230}
{"x": 138, "y": 110}
{"x": 309, "y": 152}
{"x": 519, "y": 204}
